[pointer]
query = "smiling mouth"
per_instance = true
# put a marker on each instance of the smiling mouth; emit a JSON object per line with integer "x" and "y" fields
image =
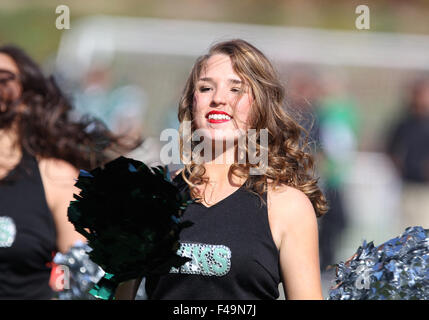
{"x": 218, "y": 117}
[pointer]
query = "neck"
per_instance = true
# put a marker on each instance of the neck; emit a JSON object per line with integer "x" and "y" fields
{"x": 217, "y": 169}
{"x": 9, "y": 147}
{"x": 217, "y": 173}
{"x": 7, "y": 137}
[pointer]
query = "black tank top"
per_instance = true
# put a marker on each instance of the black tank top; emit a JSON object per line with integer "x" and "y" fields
{"x": 27, "y": 234}
{"x": 233, "y": 253}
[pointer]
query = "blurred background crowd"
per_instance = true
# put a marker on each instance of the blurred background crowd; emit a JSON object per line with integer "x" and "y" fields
{"x": 362, "y": 94}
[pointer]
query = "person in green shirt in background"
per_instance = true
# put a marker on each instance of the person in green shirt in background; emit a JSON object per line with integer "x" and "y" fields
{"x": 338, "y": 132}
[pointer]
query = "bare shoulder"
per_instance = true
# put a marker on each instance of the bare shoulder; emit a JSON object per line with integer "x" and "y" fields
{"x": 58, "y": 166}
{"x": 57, "y": 170}
{"x": 290, "y": 205}
{"x": 59, "y": 179}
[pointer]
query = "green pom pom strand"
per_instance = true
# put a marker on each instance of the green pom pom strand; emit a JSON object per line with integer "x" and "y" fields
{"x": 105, "y": 288}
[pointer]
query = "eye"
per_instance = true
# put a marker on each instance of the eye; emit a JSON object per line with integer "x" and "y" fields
{"x": 238, "y": 90}
{"x": 204, "y": 89}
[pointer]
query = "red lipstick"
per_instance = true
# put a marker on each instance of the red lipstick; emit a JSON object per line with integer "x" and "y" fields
{"x": 216, "y": 118}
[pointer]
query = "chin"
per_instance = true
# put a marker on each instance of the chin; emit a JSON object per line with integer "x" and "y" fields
{"x": 223, "y": 134}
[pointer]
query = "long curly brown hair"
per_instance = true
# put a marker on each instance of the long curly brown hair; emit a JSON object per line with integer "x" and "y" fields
{"x": 290, "y": 161}
{"x": 43, "y": 126}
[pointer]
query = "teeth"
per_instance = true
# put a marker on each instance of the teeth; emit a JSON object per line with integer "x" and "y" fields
{"x": 219, "y": 117}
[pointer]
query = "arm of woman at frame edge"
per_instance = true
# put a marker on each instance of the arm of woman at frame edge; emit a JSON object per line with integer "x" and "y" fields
{"x": 293, "y": 216}
{"x": 59, "y": 178}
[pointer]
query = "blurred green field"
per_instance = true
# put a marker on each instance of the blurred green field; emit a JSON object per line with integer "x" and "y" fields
{"x": 31, "y": 24}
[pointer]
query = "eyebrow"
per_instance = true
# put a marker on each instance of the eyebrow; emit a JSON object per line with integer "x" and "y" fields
{"x": 234, "y": 81}
{"x": 4, "y": 71}
{"x": 7, "y": 75}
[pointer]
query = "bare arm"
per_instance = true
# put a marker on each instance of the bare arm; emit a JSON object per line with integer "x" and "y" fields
{"x": 299, "y": 248}
{"x": 58, "y": 179}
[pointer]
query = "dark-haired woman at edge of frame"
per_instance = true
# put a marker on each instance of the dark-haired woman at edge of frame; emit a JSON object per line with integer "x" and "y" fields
{"x": 240, "y": 249}
{"x": 40, "y": 151}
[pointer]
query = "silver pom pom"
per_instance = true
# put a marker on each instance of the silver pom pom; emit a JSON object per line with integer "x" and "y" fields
{"x": 80, "y": 273}
{"x": 397, "y": 269}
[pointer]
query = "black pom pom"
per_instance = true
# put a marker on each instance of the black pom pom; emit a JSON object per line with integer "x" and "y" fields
{"x": 131, "y": 216}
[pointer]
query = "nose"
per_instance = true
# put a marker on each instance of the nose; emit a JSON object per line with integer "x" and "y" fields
{"x": 219, "y": 97}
